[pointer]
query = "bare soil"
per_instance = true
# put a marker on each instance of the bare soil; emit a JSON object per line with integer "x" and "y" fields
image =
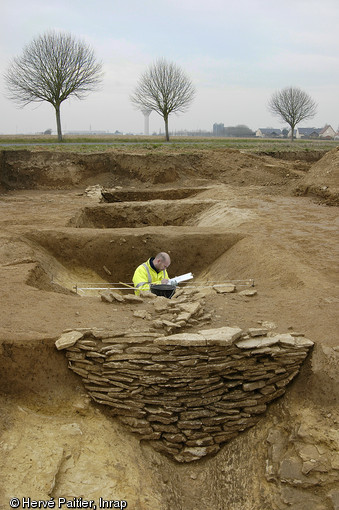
{"x": 247, "y": 216}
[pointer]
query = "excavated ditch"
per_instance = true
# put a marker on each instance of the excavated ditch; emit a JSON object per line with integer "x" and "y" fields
{"x": 114, "y": 195}
{"x": 67, "y": 255}
{"x": 139, "y": 214}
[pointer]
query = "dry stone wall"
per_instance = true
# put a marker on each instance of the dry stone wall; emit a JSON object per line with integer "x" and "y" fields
{"x": 187, "y": 393}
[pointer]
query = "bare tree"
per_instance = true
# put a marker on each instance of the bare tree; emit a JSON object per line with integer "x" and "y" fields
{"x": 292, "y": 105}
{"x": 53, "y": 67}
{"x": 165, "y": 89}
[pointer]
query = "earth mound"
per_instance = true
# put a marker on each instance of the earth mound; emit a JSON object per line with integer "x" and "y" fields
{"x": 322, "y": 179}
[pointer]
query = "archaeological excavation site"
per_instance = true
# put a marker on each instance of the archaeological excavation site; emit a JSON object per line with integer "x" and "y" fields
{"x": 223, "y": 395}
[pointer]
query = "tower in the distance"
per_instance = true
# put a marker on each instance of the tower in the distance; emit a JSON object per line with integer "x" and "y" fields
{"x": 146, "y": 114}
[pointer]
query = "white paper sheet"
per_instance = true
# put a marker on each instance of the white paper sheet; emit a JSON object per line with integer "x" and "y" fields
{"x": 179, "y": 279}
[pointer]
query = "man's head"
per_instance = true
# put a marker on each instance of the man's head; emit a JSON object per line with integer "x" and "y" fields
{"x": 161, "y": 261}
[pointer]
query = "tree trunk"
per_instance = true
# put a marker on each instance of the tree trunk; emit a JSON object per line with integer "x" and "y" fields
{"x": 57, "y": 114}
{"x": 166, "y": 129}
{"x": 292, "y": 133}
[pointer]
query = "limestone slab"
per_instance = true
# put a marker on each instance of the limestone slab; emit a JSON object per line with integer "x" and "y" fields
{"x": 68, "y": 340}
{"x": 224, "y": 289}
{"x": 287, "y": 339}
{"x": 257, "y": 332}
{"x": 257, "y": 342}
{"x": 182, "y": 339}
{"x": 221, "y": 336}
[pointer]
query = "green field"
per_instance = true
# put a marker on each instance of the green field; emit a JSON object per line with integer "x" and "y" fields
{"x": 102, "y": 143}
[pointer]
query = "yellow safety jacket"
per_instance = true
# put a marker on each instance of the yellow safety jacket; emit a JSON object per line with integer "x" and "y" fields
{"x": 145, "y": 274}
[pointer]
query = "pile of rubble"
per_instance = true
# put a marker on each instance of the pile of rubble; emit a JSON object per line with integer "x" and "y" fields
{"x": 186, "y": 308}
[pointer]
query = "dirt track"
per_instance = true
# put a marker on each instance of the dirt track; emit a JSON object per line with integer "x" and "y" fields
{"x": 244, "y": 221}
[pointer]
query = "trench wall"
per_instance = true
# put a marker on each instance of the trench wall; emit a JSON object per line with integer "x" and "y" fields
{"x": 311, "y": 156}
{"x": 24, "y": 169}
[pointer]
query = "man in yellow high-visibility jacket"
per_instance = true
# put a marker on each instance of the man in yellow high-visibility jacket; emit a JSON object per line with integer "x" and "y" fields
{"x": 154, "y": 270}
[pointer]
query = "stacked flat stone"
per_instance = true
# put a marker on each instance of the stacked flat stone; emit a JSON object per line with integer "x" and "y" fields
{"x": 187, "y": 393}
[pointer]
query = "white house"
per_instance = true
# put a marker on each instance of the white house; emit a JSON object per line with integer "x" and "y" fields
{"x": 307, "y": 132}
{"x": 325, "y": 132}
{"x": 268, "y": 133}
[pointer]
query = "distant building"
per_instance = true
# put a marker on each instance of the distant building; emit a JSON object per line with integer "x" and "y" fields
{"x": 218, "y": 129}
{"x": 268, "y": 133}
{"x": 231, "y": 131}
{"x": 85, "y": 133}
{"x": 325, "y": 133}
{"x": 307, "y": 132}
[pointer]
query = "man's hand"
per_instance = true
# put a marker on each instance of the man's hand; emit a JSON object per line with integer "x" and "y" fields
{"x": 164, "y": 281}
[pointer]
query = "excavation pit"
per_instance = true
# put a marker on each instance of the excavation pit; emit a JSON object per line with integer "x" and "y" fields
{"x": 112, "y": 195}
{"x": 139, "y": 214}
{"x": 83, "y": 255}
{"x": 289, "y": 248}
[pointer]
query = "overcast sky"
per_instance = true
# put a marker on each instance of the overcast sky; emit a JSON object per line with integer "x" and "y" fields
{"x": 236, "y": 52}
